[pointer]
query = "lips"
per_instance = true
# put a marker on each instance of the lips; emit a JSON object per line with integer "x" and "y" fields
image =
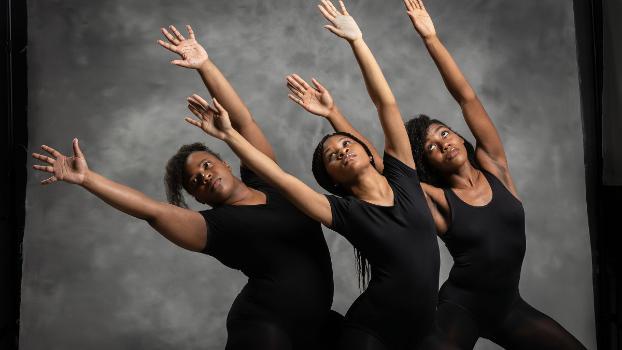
{"x": 346, "y": 159}
{"x": 451, "y": 153}
{"x": 212, "y": 185}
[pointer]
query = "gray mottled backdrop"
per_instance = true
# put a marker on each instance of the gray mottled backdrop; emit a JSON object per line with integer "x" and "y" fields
{"x": 96, "y": 278}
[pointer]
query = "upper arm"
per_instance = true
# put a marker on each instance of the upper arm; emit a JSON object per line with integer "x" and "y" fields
{"x": 184, "y": 227}
{"x": 484, "y": 130}
{"x": 396, "y": 139}
{"x": 439, "y": 208}
{"x": 313, "y": 204}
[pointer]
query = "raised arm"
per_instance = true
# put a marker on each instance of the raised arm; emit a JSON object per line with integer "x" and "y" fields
{"x": 317, "y": 100}
{"x": 194, "y": 56}
{"x": 184, "y": 227}
{"x": 344, "y": 26}
{"x": 489, "y": 143}
{"x": 214, "y": 120}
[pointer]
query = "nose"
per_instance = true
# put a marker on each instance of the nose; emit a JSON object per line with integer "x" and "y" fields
{"x": 446, "y": 146}
{"x": 205, "y": 177}
{"x": 343, "y": 152}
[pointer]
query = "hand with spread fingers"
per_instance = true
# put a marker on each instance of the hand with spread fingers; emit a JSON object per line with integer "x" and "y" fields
{"x": 214, "y": 120}
{"x": 342, "y": 24}
{"x": 72, "y": 170}
{"x": 420, "y": 18}
{"x": 193, "y": 55}
{"x": 316, "y": 100}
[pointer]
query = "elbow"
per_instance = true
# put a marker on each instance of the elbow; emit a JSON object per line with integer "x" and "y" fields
{"x": 467, "y": 97}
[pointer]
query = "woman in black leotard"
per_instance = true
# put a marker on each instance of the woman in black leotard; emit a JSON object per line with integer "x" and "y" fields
{"x": 251, "y": 227}
{"x": 383, "y": 216}
{"x": 479, "y": 217}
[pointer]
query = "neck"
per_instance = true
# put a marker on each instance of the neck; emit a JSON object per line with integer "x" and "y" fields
{"x": 370, "y": 186}
{"x": 240, "y": 194}
{"x": 464, "y": 177}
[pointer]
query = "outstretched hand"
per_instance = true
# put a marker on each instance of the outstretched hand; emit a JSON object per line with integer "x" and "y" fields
{"x": 214, "y": 120}
{"x": 192, "y": 53}
{"x": 315, "y": 100}
{"x": 420, "y": 18}
{"x": 343, "y": 25}
{"x": 72, "y": 170}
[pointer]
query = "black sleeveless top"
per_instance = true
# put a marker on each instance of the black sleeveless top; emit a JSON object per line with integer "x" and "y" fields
{"x": 486, "y": 242}
{"x": 282, "y": 251}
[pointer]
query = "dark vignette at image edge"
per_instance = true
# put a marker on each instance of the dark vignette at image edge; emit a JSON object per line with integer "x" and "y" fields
{"x": 602, "y": 200}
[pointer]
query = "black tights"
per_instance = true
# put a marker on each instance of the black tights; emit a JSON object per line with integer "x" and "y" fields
{"x": 356, "y": 339}
{"x": 523, "y": 327}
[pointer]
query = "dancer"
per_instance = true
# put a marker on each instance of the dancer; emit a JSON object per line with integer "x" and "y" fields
{"x": 476, "y": 212}
{"x": 479, "y": 217}
{"x": 251, "y": 227}
{"x": 384, "y": 216}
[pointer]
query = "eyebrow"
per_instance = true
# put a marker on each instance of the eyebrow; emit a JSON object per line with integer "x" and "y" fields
{"x": 440, "y": 126}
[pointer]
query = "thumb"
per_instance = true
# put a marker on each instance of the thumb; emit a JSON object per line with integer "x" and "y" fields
{"x": 335, "y": 30}
{"x": 317, "y": 84}
{"x": 77, "y": 152}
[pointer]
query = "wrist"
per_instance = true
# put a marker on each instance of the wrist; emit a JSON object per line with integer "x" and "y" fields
{"x": 206, "y": 65}
{"x": 230, "y": 135}
{"x": 356, "y": 41}
{"x": 430, "y": 38}
{"x": 332, "y": 113}
{"x": 87, "y": 179}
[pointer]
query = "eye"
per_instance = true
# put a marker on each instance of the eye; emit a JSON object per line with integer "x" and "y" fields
{"x": 346, "y": 142}
{"x": 332, "y": 156}
{"x": 431, "y": 147}
{"x": 444, "y": 133}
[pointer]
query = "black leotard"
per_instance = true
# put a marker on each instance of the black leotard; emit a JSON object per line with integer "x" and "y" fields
{"x": 480, "y": 298}
{"x": 286, "y": 302}
{"x": 400, "y": 243}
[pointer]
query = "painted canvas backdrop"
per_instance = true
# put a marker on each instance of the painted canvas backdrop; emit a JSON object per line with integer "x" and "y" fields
{"x": 96, "y": 278}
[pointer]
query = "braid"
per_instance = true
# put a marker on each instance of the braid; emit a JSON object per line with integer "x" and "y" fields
{"x": 363, "y": 268}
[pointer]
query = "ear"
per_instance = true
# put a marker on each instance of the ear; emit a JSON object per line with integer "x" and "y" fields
{"x": 226, "y": 164}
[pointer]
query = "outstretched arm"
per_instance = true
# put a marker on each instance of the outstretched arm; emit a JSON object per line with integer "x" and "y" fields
{"x": 489, "y": 143}
{"x": 194, "y": 56}
{"x": 317, "y": 100}
{"x": 184, "y": 227}
{"x": 396, "y": 138}
{"x": 214, "y": 120}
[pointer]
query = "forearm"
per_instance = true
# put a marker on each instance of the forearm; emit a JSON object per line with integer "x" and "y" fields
{"x": 454, "y": 80}
{"x": 220, "y": 88}
{"x": 122, "y": 197}
{"x": 377, "y": 86}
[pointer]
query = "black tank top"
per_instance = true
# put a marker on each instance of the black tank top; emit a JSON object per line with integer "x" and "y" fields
{"x": 486, "y": 242}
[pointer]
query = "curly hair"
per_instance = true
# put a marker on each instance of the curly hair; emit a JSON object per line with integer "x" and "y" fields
{"x": 176, "y": 172}
{"x": 417, "y": 129}
{"x": 363, "y": 268}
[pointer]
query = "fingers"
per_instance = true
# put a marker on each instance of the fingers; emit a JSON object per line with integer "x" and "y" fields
{"x": 296, "y": 100}
{"x": 49, "y": 180}
{"x": 318, "y": 86}
{"x": 177, "y": 33}
{"x": 44, "y": 158}
{"x": 421, "y": 5}
{"x": 169, "y": 47}
{"x": 46, "y": 168}
{"x": 190, "y": 31}
{"x": 344, "y": 11}
{"x": 169, "y": 36}
{"x": 51, "y": 151}
{"x": 301, "y": 81}
{"x": 76, "y": 149}
{"x": 295, "y": 91}
{"x": 326, "y": 14}
{"x": 220, "y": 109}
{"x": 292, "y": 82}
{"x": 193, "y": 122}
{"x": 331, "y": 8}
{"x": 200, "y": 100}
{"x": 409, "y": 5}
